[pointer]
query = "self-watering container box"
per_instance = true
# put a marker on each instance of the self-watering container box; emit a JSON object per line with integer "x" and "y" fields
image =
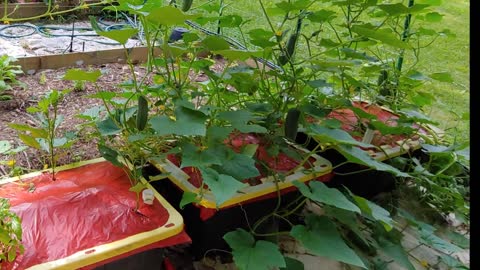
{"x": 267, "y": 188}
{"x": 87, "y": 218}
{"x": 206, "y": 222}
{"x": 356, "y": 177}
{"x": 391, "y": 145}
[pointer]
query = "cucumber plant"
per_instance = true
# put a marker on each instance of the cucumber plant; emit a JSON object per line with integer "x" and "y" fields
{"x": 441, "y": 177}
{"x": 176, "y": 115}
{"x": 186, "y": 5}
{"x": 116, "y": 122}
{"x": 150, "y": 121}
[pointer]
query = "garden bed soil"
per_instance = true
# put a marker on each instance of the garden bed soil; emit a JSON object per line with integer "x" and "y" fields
{"x": 74, "y": 103}
{"x": 36, "y": 86}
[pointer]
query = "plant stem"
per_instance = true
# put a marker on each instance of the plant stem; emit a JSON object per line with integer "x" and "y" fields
{"x": 448, "y": 165}
{"x": 355, "y": 172}
{"x": 150, "y": 44}
{"x": 304, "y": 200}
{"x": 220, "y": 13}
{"x": 406, "y": 30}
{"x": 243, "y": 37}
{"x": 272, "y": 234}
{"x": 304, "y": 160}
{"x": 266, "y": 16}
{"x": 51, "y": 140}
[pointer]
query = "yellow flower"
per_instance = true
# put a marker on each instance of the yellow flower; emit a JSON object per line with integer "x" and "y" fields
{"x": 424, "y": 263}
{"x": 11, "y": 163}
{"x": 45, "y": 166}
{"x": 158, "y": 79}
{"x": 6, "y": 22}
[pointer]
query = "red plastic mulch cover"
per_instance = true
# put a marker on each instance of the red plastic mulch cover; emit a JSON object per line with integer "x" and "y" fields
{"x": 85, "y": 207}
{"x": 350, "y": 122}
{"x": 281, "y": 163}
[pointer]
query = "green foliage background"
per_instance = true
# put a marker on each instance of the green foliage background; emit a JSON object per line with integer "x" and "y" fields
{"x": 452, "y": 55}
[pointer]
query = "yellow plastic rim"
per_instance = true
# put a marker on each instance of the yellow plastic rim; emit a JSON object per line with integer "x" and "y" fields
{"x": 179, "y": 178}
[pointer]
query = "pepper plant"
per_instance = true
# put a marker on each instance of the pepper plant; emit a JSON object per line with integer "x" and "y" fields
{"x": 43, "y": 135}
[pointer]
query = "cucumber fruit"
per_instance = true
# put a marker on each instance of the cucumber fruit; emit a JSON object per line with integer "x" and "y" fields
{"x": 142, "y": 112}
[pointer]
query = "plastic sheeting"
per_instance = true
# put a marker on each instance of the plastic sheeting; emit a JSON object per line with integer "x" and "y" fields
{"x": 281, "y": 163}
{"x": 85, "y": 207}
{"x": 350, "y": 122}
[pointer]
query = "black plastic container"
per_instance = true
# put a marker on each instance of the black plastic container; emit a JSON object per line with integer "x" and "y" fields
{"x": 207, "y": 235}
{"x": 367, "y": 184}
{"x": 147, "y": 260}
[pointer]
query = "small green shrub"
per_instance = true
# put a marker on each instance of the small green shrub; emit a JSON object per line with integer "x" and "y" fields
{"x": 10, "y": 233}
{"x": 8, "y": 76}
{"x": 44, "y": 137}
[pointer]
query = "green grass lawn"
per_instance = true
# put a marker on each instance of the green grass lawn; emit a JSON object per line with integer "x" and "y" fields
{"x": 451, "y": 55}
{"x": 446, "y": 54}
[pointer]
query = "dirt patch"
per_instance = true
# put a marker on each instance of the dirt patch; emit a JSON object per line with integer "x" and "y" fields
{"x": 74, "y": 103}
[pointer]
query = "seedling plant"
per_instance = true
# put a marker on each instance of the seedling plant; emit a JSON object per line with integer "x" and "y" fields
{"x": 44, "y": 135}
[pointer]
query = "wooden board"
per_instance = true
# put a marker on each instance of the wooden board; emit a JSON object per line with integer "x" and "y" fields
{"x": 34, "y": 9}
{"x": 31, "y": 64}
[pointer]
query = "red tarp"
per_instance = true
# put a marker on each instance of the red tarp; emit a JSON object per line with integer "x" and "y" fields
{"x": 85, "y": 207}
{"x": 281, "y": 163}
{"x": 350, "y": 123}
